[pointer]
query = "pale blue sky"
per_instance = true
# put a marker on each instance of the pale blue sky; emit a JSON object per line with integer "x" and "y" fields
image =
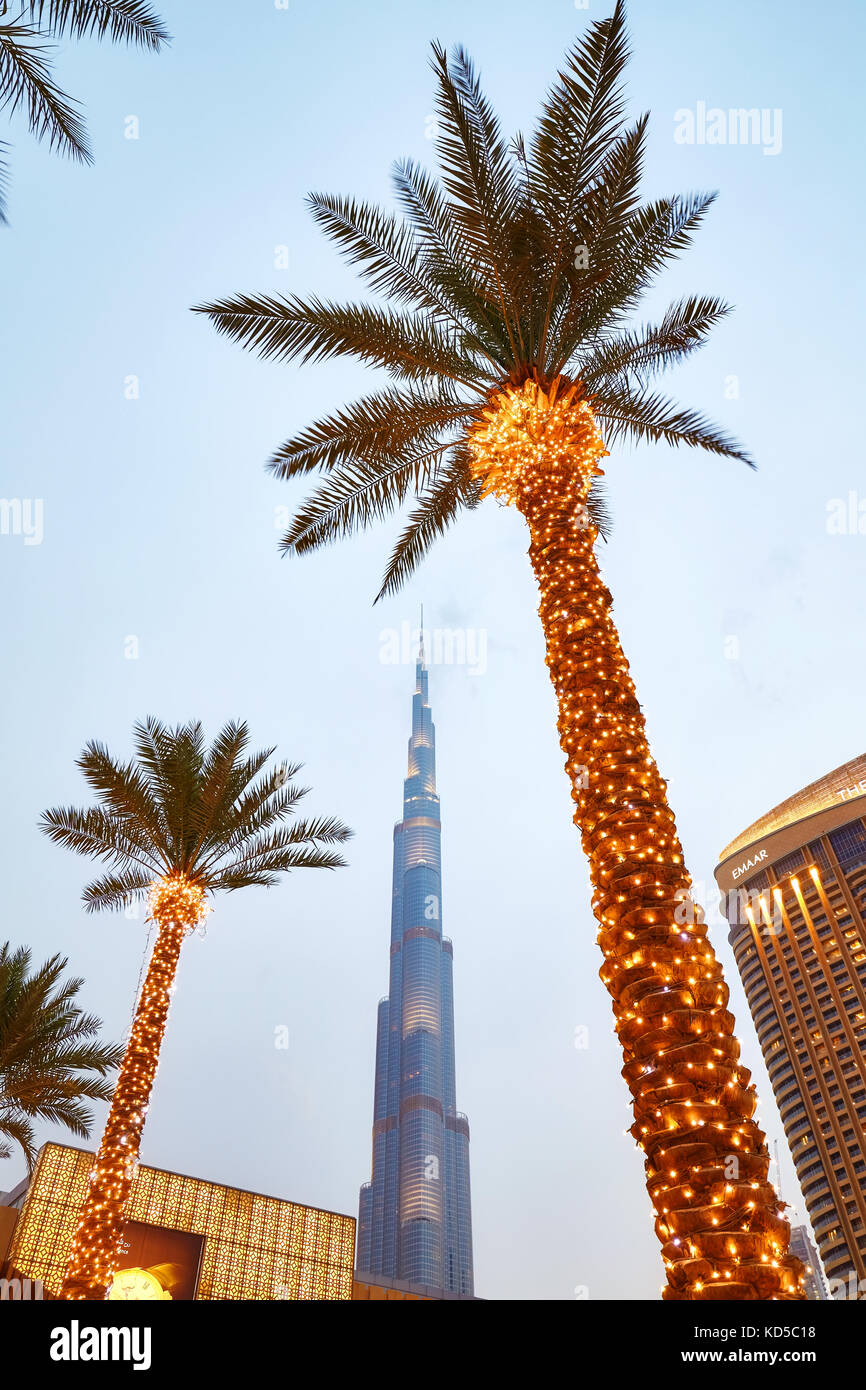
{"x": 159, "y": 523}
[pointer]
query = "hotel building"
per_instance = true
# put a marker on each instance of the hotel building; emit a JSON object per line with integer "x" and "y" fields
{"x": 794, "y": 891}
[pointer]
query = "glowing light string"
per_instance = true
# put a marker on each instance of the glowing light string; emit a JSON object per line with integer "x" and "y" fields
{"x": 177, "y": 905}
{"x": 719, "y": 1220}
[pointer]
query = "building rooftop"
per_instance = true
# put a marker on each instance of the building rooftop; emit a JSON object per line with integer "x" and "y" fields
{"x": 829, "y": 790}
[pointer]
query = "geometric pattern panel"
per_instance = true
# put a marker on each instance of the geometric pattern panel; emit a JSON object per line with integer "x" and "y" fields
{"x": 255, "y": 1247}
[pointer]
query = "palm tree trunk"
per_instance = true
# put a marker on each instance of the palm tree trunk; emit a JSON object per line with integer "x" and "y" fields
{"x": 92, "y": 1260}
{"x": 719, "y": 1220}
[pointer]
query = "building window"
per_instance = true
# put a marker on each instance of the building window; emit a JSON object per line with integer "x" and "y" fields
{"x": 849, "y": 843}
{"x": 758, "y": 882}
{"x": 788, "y": 863}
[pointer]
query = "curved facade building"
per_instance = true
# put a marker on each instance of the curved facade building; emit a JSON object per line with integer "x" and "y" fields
{"x": 414, "y": 1220}
{"x": 794, "y": 891}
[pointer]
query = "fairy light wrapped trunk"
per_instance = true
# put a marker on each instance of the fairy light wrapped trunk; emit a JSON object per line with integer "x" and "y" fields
{"x": 177, "y": 905}
{"x": 719, "y": 1220}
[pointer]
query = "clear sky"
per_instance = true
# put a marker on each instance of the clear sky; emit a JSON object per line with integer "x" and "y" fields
{"x": 740, "y": 612}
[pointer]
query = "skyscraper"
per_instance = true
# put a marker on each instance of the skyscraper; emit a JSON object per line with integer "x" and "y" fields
{"x": 801, "y": 1246}
{"x": 794, "y": 888}
{"x": 415, "y": 1222}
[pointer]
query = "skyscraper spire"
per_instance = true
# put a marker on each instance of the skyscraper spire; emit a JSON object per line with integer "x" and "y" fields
{"x": 415, "y": 1221}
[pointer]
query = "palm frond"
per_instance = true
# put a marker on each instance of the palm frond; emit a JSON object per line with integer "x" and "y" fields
{"x": 478, "y": 172}
{"x": 26, "y": 82}
{"x": 438, "y": 507}
{"x": 273, "y": 798}
{"x": 218, "y": 782}
{"x": 4, "y": 183}
{"x": 580, "y": 119}
{"x": 637, "y": 415}
{"x": 124, "y": 788}
{"x": 51, "y": 1056}
{"x": 304, "y": 845}
{"x": 242, "y": 775}
{"x": 121, "y": 21}
{"x": 355, "y": 496}
{"x": 174, "y": 760}
{"x": 464, "y": 282}
{"x": 485, "y": 265}
{"x": 277, "y": 327}
{"x": 74, "y": 1055}
{"x": 183, "y": 807}
{"x": 598, "y": 510}
{"x": 613, "y": 196}
{"x": 53, "y": 1105}
{"x": 113, "y": 892}
{"x": 380, "y": 245}
{"x": 100, "y": 835}
{"x": 18, "y": 1130}
{"x": 605, "y": 214}
{"x": 386, "y": 425}
{"x": 652, "y": 236}
{"x": 683, "y": 329}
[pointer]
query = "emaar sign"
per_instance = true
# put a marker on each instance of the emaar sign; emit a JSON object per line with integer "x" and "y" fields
{"x": 749, "y": 864}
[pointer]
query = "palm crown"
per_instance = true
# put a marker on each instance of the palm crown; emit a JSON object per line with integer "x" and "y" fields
{"x": 26, "y": 78}
{"x": 51, "y": 1059}
{"x": 210, "y": 814}
{"x": 526, "y": 261}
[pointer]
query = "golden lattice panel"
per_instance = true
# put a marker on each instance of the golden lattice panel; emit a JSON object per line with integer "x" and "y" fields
{"x": 255, "y": 1247}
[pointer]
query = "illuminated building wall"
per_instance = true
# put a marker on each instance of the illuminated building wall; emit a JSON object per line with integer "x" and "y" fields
{"x": 415, "y": 1221}
{"x": 794, "y": 887}
{"x": 254, "y": 1247}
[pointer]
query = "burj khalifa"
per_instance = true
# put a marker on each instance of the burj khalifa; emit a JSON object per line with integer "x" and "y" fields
{"x": 415, "y": 1221}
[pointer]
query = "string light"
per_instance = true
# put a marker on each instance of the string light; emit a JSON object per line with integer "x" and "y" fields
{"x": 721, "y": 1230}
{"x": 177, "y": 905}
{"x": 255, "y": 1247}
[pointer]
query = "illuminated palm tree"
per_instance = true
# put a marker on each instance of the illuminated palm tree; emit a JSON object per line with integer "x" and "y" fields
{"x": 51, "y": 1059}
{"x": 510, "y": 285}
{"x": 179, "y": 822}
{"x": 26, "y": 77}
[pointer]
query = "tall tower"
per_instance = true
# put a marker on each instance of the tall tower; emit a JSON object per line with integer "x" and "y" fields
{"x": 414, "y": 1221}
{"x": 801, "y": 1246}
{"x": 794, "y": 887}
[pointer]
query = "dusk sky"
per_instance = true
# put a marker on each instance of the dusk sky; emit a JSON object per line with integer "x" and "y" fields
{"x": 156, "y": 586}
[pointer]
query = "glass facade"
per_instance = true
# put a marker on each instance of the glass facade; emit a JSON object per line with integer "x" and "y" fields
{"x": 802, "y": 1247}
{"x": 415, "y": 1220}
{"x": 800, "y": 944}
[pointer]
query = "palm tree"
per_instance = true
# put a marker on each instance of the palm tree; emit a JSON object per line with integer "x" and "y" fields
{"x": 26, "y": 77}
{"x": 51, "y": 1059}
{"x": 510, "y": 285}
{"x": 179, "y": 822}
